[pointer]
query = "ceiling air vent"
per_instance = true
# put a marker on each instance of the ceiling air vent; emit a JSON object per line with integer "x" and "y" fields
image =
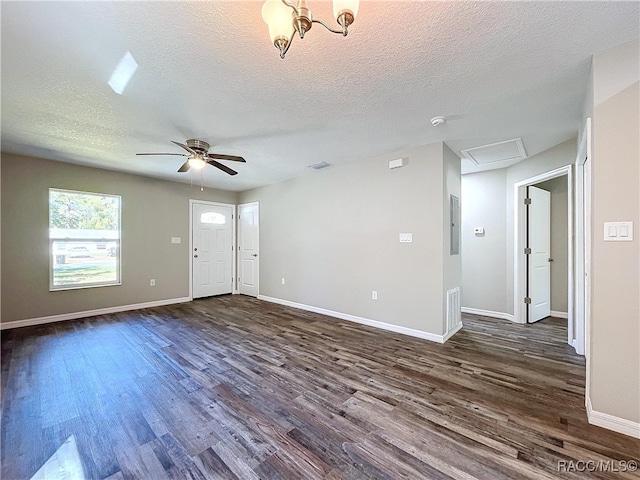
{"x": 509, "y": 150}
{"x": 320, "y": 165}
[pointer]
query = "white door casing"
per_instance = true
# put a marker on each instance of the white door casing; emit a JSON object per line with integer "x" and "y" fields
{"x": 539, "y": 266}
{"x": 520, "y": 242}
{"x": 583, "y": 249}
{"x": 212, "y": 236}
{"x": 249, "y": 249}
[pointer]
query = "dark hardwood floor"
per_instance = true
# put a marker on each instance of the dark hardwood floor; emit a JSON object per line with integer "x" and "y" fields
{"x": 233, "y": 387}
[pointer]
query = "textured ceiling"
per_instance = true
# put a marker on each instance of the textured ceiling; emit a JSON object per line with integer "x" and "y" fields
{"x": 499, "y": 70}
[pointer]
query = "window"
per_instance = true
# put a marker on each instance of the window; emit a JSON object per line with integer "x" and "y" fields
{"x": 84, "y": 239}
{"x": 213, "y": 217}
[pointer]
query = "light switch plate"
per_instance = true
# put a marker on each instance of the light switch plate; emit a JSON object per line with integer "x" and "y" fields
{"x": 176, "y": 240}
{"x": 618, "y": 231}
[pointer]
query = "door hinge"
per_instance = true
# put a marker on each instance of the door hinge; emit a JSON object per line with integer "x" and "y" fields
{"x": 527, "y": 251}
{"x": 527, "y": 300}
{"x": 527, "y": 201}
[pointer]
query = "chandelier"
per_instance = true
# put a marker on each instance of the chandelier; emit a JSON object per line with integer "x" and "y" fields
{"x": 284, "y": 19}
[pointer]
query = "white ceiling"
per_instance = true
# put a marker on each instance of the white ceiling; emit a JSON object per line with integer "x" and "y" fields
{"x": 499, "y": 70}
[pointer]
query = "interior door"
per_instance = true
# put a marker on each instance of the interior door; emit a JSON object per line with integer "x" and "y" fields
{"x": 538, "y": 265}
{"x": 212, "y": 249}
{"x": 249, "y": 249}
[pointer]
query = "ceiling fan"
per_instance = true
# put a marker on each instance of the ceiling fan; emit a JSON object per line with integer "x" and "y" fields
{"x": 198, "y": 156}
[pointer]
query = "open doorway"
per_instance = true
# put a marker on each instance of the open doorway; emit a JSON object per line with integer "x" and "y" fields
{"x": 550, "y": 180}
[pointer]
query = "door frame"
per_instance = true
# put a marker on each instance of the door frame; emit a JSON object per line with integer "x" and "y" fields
{"x": 233, "y": 242}
{"x": 238, "y": 252}
{"x": 583, "y": 248}
{"x": 519, "y": 243}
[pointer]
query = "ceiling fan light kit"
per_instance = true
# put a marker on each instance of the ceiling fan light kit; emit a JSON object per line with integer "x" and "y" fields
{"x": 196, "y": 163}
{"x": 198, "y": 156}
{"x": 284, "y": 19}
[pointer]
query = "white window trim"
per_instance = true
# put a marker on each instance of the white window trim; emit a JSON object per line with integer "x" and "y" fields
{"x": 118, "y": 241}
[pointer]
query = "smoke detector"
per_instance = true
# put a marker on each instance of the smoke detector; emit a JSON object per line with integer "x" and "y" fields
{"x": 437, "y": 121}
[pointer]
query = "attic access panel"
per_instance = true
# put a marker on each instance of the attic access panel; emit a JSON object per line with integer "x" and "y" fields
{"x": 509, "y": 150}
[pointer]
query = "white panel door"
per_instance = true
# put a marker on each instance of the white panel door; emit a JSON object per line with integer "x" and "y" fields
{"x": 212, "y": 249}
{"x": 249, "y": 249}
{"x": 539, "y": 226}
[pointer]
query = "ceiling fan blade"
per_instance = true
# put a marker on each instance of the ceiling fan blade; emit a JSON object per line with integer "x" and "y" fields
{"x": 181, "y": 154}
{"x": 188, "y": 149}
{"x": 222, "y": 167}
{"x": 219, "y": 156}
{"x": 185, "y": 166}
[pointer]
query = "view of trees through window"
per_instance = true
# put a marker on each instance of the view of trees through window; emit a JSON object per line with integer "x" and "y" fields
{"x": 84, "y": 233}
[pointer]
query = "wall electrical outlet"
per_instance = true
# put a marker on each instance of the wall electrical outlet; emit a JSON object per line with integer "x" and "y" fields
{"x": 283, "y": 281}
{"x": 152, "y": 282}
{"x": 176, "y": 240}
{"x": 374, "y": 295}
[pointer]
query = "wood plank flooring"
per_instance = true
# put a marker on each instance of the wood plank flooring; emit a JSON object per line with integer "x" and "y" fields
{"x": 233, "y": 387}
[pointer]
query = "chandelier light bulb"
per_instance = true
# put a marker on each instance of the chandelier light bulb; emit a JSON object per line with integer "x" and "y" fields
{"x": 342, "y": 7}
{"x": 277, "y": 16}
{"x": 285, "y": 18}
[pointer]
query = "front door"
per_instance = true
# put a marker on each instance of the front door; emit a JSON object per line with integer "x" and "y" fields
{"x": 539, "y": 267}
{"x": 249, "y": 247}
{"x": 212, "y": 249}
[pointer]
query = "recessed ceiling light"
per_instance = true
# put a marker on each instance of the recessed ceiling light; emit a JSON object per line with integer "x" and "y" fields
{"x": 123, "y": 72}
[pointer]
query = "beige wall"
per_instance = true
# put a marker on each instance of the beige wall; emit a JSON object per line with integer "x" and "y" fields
{"x": 490, "y": 258}
{"x": 484, "y": 256}
{"x": 153, "y": 211}
{"x": 615, "y": 266}
{"x": 333, "y": 236}
{"x": 452, "y": 266}
{"x": 559, "y": 242}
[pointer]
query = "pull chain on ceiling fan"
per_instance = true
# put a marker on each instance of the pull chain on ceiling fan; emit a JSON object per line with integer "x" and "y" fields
{"x": 199, "y": 156}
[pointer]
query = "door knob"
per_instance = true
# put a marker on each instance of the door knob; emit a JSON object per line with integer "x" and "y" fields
{"x": 254, "y": 255}
{"x": 551, "y": 259}
{"x": 195, "y": 256}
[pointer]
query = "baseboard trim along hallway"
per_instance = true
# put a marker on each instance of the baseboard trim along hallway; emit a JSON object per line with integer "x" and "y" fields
{"x": 488, "y": 313}
{"x": 365, "y": 321}
{"x": 610, "y": 422}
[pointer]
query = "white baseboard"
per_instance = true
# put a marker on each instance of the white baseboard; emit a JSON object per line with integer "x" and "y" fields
{"x": 488, "y": 313}
{"x": 617, "y": 424}
{"x": 364, "y": 321}
{"x": 90, "y": 313}
{"x": 452, "y": 332}
{"x": 559, "y": 314}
